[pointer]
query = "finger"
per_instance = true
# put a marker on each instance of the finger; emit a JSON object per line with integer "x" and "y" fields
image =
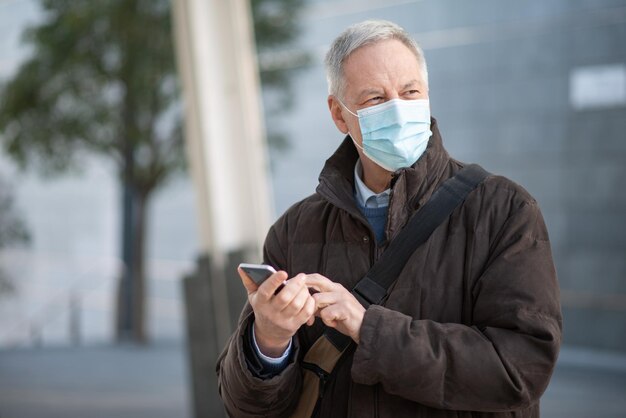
{"x": 268, "y": 287}
{"x": 332, "y": 315}
{"x": 308, "y": 312}
{"x": 325, "y": 299}
{"x": 320, "y": 283}
{"x": 248, "y": 283}
{"x": 289, "y": 292}
{"x": 297, "y": 303}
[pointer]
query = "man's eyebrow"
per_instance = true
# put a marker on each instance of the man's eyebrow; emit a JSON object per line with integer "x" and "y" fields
{"x": 410, "y": 84}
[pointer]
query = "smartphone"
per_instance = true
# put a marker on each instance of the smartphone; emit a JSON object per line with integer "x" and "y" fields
{"x": 260, "y": 272}
{"x": 257, "y": 272}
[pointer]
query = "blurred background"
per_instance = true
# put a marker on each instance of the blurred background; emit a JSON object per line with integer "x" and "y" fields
{"x": 94, "y": 174}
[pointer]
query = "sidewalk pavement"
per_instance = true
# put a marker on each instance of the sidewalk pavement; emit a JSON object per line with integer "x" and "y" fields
{"x": 142, "y": 382}
{"x": 94, "y": 382}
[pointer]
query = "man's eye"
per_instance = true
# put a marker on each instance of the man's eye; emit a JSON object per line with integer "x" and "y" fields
{"x": 412, "y": 92}
{"x": 375, "y": 99}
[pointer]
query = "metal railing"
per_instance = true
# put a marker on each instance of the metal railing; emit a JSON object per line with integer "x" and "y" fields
{"x": 61, "y": 300}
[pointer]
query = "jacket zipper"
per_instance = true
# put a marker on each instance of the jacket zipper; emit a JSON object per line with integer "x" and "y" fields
{"x": 323, "y": 377}
{"x": 350, "y": 399}
{"x": 321, "y": 374}
{"x": 376, "y": 401}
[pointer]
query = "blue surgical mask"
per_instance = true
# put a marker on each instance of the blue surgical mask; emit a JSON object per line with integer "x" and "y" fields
{"x": 395, "y": 133}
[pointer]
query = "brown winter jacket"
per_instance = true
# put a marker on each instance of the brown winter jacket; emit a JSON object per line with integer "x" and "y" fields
{"x": 473, "y": 322}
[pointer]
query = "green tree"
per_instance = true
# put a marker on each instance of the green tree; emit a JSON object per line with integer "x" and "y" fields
{"x": 13, "y": 232}
{"x": 101, "y": 80}
{"x": 276, "y": 27}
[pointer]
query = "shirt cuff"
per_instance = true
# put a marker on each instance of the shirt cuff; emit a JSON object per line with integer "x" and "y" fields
{"x": 270, "y": 361}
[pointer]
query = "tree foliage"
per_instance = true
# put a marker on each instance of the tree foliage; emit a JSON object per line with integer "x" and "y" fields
{"x": 13, "y": 232}
{"x": 102, "y": 74}
{"x": 101, "y": 78}
{"x": 276, "y": 27}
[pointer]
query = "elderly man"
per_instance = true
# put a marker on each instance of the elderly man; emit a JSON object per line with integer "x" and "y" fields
{"x": 471, "y": 325}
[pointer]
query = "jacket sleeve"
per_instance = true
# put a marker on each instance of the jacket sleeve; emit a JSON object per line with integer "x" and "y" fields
{"x": 243, "y": 393}
{"x": 503, "y": 360}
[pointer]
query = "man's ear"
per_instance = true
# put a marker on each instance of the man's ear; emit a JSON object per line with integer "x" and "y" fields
{"x": 335, "y": 112}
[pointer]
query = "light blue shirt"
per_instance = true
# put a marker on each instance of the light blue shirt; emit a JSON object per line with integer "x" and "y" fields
{"x": 271, "y": 361}
{"x": 364, "y": 196}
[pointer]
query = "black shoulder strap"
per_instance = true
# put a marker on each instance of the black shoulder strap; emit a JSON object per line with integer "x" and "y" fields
{"x": 372, "y": 289}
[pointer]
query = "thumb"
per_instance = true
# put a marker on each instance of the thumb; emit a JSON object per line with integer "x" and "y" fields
{"x": 272, "y": 285}
{"x": 248, "y": 283}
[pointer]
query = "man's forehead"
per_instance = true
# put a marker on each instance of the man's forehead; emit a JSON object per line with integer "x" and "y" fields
{"x": 382, "y": 60}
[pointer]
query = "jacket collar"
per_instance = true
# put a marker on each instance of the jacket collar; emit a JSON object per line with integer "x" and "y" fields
{"x": 411, "y": 186}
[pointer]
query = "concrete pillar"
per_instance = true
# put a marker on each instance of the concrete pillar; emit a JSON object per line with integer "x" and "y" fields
{"x": 225, "y": 141}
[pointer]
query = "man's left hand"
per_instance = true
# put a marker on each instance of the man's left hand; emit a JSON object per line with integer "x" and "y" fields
{"x": 336, "y": 306}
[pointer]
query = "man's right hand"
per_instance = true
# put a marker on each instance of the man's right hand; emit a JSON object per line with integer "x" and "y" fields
{"x": 277, "y": 317}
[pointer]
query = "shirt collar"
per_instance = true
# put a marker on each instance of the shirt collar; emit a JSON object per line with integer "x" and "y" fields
{"x": 364, "y": 196}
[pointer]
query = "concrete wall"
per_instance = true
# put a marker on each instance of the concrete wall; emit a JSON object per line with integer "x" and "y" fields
{"x": 500, "y": 84}
{"x": 505, "y": 101}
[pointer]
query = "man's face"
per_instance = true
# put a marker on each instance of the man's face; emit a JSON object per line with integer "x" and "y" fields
{"x": 374, "y": 74}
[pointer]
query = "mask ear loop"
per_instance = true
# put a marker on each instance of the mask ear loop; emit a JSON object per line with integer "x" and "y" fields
{"x": 355, "y": 115}
{"x": 346, "y": 107}
{"x": 354, "y": 142}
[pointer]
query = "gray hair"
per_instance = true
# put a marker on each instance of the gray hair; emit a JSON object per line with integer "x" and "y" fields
{"x": 361, "y": 34}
